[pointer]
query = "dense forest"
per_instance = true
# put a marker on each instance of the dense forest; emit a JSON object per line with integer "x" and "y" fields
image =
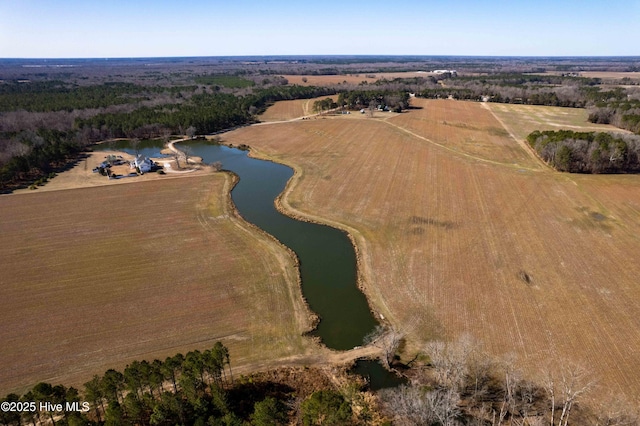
{"x": 35, "y": 156}
{"x": 587, "y": 152}
{"x": 207, "y": 112}
{"x": 40, "y": 147}
{"x": 50, "y": 117}
{"x": 54, "y": 95}
{"x": 618, "y": 106}
{"x": 395, "y": 100}
{"x": 196, "y": 388}
{"x": 531, "y": 89}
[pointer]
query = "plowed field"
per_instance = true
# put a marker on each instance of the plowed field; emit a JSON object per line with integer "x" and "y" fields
{"x": 91, "y": 279}
{"x": 462, "y": 231}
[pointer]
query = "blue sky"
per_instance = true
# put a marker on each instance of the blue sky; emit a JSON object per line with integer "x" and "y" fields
{"x": 116, "y": 28}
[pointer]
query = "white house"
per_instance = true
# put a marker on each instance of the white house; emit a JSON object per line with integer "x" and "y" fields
{"x": 452, "y": 72}
{"x": 144, "y": 164}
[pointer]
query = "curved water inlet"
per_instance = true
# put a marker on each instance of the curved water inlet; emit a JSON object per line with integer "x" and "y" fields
{"x": 327, "y": 258}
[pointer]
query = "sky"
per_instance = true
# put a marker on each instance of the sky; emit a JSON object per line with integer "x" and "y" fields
{"x": 158, "y": 28}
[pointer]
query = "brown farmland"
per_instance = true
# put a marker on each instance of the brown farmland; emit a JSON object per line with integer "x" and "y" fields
{"x": 521, "y": 120}
{"x": 462, "y": 231}
{"x": 94, "y": 278}
{"x": 289, "y": 110}
{"x": 605, "y": 75}
{"x": 329, "y": 80}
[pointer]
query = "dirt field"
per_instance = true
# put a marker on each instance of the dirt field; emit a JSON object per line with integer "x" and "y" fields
{"x": 605, "y": 75}
{"x": 81, "y": 176}
{"x": 462, "y": 231}
{"x": 324, "y": 80}
{"x": 524, "y": 119}
{"x": 94, "y": 278}
{"x": 289, "y": 110}
{"x": 464, "y": 128}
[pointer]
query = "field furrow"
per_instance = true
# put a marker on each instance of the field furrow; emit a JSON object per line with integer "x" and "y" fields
{"x": 99, "y": 277}
{"x": 464, "y": 232}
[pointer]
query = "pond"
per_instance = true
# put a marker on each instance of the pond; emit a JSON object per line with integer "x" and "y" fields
{"x": 378, "y": 376}
{"x": 327, "y": 258}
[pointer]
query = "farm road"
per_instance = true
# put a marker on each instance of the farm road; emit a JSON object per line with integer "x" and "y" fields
{"x": 464, "y": 154}
{"x": 304, "y": 117}
{"x": 522, "y": 143}
{"x": 322, "y": 358}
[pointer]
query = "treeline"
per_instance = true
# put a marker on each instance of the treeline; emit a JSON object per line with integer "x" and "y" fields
{"x": 265, "y": 97}
{"x": 193, "y": 389}
{"x": 229, "y": 81}
{"x": 359, "y": 99}
{"x": 562, "y": 97}
{"x": 504, "y": 95}
{"x": 451, "y": 383}
{"x": 207, "y": 112}
{"x": 183, "y": 389}
{"x": 324, "y": 105}
{"x": 31, "y": 156}
{"x": 57, "y": 96}
{"x": 528, "y": 89}
{"x": 617, "y": 107}
{"x": 587, "y": 152}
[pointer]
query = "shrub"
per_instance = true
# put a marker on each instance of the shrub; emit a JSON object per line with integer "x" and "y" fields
{"x": 326, "y": 407}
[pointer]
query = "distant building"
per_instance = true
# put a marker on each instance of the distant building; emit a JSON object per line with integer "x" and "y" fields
{"x": 452, "y": 72}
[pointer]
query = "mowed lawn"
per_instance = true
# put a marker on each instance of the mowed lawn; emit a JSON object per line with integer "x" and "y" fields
{"x": 461, "y": 231}
{"x": 94, "y": 278}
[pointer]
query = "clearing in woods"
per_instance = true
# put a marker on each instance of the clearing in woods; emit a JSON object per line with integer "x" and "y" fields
{"x": 289, "y": 110}
{"x": 461, "y": 231}
{"x": 329, "y": 80}
{"x": 94, "y": 278}
{"x": 524, "y": 119}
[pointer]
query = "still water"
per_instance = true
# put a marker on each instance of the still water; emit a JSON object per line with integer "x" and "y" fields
{"x": 327, "y": 258}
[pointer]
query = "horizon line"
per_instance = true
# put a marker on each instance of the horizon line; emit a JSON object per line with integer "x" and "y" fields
{"x": 106, "y": 58}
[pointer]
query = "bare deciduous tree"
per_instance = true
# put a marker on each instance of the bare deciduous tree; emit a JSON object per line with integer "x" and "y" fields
{"x": 450, "y": 360}
{"x": 412, "y": 405}
{"x": 573, "y": 382}
{"x": 186, "y": 153}
{"x": 615, "y": 411}
{"x": 166, "y": 136}
{"x": 386, "y": 338}
{"x": 176, "y": 156}
{"x": 135, "y": 144}
{"x": 373, "y": 105}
